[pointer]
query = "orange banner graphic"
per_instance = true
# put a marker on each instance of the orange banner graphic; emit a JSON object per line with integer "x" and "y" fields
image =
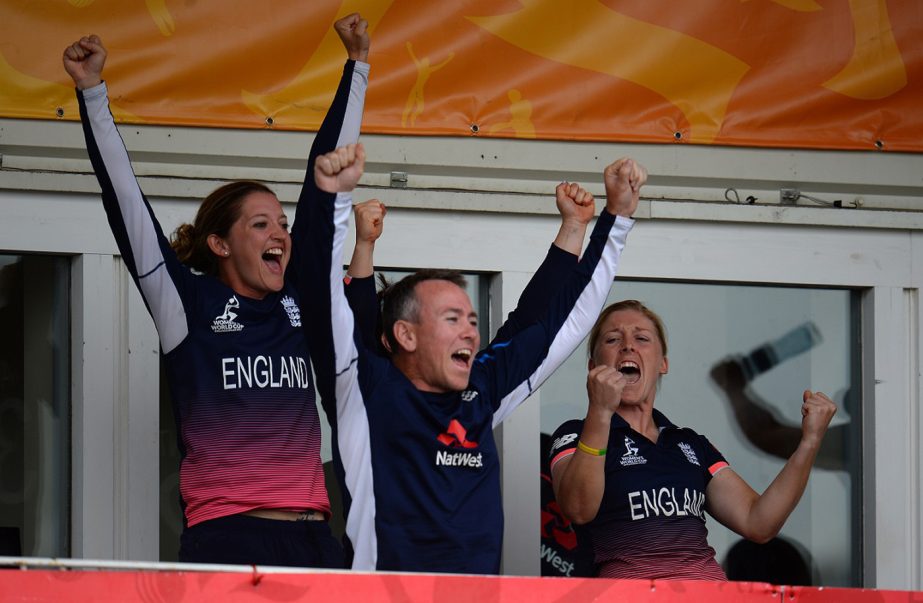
{"x": 836, "y": 74}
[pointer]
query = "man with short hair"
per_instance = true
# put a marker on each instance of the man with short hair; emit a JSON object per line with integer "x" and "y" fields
{"x": 414, "y": 430}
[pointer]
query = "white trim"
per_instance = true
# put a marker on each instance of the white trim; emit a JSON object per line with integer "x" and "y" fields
{"x": 518, "y": 443}
{"x": 115, "y": 387}
{"x": 93, "y": 286}
{"x": 185, "y": 162}
{"x": 140, "y": 447}
{"x": 888, "y": 434}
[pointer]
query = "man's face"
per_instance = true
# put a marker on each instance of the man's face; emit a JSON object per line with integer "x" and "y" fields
{"x": 446, "y": 337}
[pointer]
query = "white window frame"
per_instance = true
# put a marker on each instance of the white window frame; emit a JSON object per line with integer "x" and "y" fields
{"x": 50, "y": 204}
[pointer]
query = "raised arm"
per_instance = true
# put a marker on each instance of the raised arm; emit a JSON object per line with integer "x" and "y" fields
{"x": 344, "y": 117}
{"x": 340, "y": 126}
{"x": 517, "y": 370}
{"x": 370, "y": 221}
{"x": 336, "y": 350}
{"x": 576, "y": 207}
{"x": 360, "y": 277}
{"x": 759, "y": 517}
{"x": 579, "y": 478}
{"x": 144, "y": 249}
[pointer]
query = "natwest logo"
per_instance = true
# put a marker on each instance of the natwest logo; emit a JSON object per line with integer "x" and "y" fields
{"x": 456, "y": 436}
{"x": 459, "y": 459}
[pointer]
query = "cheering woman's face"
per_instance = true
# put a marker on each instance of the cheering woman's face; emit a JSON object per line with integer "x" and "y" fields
{"x": 254, "y": 255}
{"x": 628, "y": 342}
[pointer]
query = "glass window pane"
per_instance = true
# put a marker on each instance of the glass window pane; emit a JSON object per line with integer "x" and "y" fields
{"x": 790, "y": 340}
{"x": 35, "y": 406}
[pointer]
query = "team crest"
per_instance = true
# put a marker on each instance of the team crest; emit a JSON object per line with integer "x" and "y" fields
{"x": 291, "y": 308}
{"x": 689, "y": 452}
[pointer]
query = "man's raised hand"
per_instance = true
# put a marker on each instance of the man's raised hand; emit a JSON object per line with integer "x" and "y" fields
{"x": 340, "y": 169}
{"x": 370, "y": 220}
{"x": 575, "y": 204}
{"x": 624, "y": 179}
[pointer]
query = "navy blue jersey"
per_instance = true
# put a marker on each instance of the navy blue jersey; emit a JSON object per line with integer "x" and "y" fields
{"x": 421, "y": 469}
{"x": 238, "y": 368}
{"x": 651, "y": 521}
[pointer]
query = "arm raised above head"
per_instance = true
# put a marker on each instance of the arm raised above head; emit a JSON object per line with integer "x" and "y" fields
{"x": 623, "y": 179}
{"x": 572, "y": 309}
{"x": 576, "y": 207}
{"x": 141, "y": 242}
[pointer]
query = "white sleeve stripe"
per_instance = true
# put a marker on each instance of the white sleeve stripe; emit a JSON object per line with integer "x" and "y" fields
{"x": 353, "y": 433}
{"x": 158, "y": 288}
{"x": 579, "y": 320}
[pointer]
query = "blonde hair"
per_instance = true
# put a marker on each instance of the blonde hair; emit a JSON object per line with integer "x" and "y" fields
{"x": 627, "y": 304}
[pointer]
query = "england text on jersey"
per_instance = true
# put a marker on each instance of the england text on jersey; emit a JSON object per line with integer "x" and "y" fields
{"x": 663, "y": 501}
{"x": 265, "y": 372}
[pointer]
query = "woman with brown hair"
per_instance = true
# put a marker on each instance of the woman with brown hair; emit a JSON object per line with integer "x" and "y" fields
{"x": 224, "y": 301}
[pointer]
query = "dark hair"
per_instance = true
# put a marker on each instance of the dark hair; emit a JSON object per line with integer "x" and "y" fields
{"x": 399, "y": 301}
{"x": 216, "y": 215}
{"x": 777, "y": 561}
{"x": 627, "y": 304}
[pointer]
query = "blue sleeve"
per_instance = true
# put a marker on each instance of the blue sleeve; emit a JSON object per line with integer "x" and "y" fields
{"x": 564, "y": 439}
{"x": 312, "y": 231}
{"x": 533, "y": 301}
{"x": 340, "y": 127}
{"x": 363, "y": 301}
{"x": 508, "y": 372}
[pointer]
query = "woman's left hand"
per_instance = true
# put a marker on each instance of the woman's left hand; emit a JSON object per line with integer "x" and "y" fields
{"x": 816, "y": 413}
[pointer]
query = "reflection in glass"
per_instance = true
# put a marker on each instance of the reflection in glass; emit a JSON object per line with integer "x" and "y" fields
{"x": 740, "y": 358}
{"x": 34, "y": 406}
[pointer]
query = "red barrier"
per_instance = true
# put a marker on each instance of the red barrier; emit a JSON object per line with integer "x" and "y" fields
{"x": 77, "y": 586}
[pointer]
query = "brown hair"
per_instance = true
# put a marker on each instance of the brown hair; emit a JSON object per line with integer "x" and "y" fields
{"x": 627, "y": 304}
{"x": 216, "y": 215}
{"x": 399, "y": 301}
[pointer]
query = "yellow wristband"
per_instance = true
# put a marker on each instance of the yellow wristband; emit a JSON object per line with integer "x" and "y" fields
{"x": 591, "y": 451}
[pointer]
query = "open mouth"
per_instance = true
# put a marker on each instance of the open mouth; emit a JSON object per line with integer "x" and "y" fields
{"x": 631, "y": 371}
{"x": 273, "y": 258}
{"x": 462, "y": 358}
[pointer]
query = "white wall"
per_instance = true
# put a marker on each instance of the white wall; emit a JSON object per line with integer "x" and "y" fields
{"x": 485, "y": 205}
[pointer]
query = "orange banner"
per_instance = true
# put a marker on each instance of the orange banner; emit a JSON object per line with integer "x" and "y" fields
{"x": 344, "y": 587}
{"x": 838, "y": 74}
